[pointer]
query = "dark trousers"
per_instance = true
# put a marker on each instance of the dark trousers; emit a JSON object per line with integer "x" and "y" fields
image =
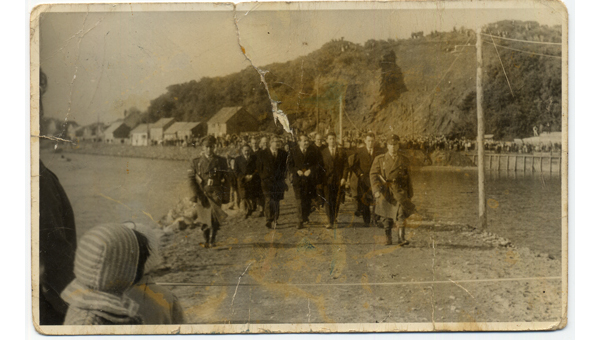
{"x": 273, "y": 194}
{"x": 303, "y": 202}
{"x": 260, "y": 200}
{"x": 248, "y": 205}
{"x": 271, "y": 207}
{"x": 364, "y": 202}
{"x": 333, "y": 198}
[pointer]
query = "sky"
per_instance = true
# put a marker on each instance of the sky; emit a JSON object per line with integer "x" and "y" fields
{"x": 101, "y": 62}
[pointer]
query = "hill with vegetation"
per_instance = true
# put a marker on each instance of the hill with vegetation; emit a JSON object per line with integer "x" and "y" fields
{"x": 423, "y": 85}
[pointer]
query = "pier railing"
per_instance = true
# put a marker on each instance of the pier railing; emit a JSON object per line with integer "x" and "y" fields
{"x": 542, "y": 162}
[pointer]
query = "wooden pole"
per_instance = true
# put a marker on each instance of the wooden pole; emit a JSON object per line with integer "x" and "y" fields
{"x": 480, "y": 133}
{"x": 340, "y": 137}
{"x": 317, "y": 104}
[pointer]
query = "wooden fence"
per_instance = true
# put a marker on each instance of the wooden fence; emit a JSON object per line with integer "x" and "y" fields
{"x": 515, "y": 162}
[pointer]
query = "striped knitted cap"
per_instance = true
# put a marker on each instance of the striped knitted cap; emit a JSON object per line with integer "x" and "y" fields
{"x": 106, "y": 259}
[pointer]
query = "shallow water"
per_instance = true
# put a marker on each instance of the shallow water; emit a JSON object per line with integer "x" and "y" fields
{"x": 525, "y": 208}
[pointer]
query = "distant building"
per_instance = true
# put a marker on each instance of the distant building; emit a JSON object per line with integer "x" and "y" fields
{"x": 139, "y": 135}
{"x": 183, "y": 131}
{"x": 132, "y": 119}
{"x": 157, "y": 129}
{"x": 231, "y": 120}
{"x": 85, "y": 133}
{"x": 117, "y": 132}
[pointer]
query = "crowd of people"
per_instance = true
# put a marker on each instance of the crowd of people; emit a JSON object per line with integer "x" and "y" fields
{"x": 320, "y": 172}
{"x": 353, "y": 139}
{"x": 102, "y": 279}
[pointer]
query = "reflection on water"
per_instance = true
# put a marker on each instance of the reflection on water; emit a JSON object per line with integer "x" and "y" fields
{"x": 523, "y": 207}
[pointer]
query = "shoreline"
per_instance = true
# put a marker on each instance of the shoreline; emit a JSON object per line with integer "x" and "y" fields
{"x": 178, "y": 153}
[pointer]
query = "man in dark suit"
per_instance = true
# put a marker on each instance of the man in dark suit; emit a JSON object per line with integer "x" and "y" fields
{"x": 303, "y": 164}
{"x": 256, "y": 148}
{"x": 247, "y": 180}
{"x": 392, "y": 189}
{"x": 271, "y": 167}
{"x": 334, "y": 171}
{"x": 319, "y": 143}
{"x": 363, "y": 159}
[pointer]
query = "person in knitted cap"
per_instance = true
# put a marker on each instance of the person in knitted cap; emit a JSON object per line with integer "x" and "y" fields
{"x": 109, "y": 260}
{"x": 157, "y": 305}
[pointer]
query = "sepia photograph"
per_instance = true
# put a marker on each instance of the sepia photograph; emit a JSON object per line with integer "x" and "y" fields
{"x": 299, "y": 167}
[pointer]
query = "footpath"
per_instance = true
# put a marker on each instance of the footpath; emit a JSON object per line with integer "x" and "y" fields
{"x": 448, "y": 273}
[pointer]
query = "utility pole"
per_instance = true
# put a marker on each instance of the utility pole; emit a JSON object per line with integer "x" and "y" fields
{"x": 480, "y": 133}
{"x": 318, "y": 78}
{"x": 340, "y": 137}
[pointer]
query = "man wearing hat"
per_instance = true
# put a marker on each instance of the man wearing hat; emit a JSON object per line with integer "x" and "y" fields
{"x": 392, "y": 189}
{"x": 208, "y": 179}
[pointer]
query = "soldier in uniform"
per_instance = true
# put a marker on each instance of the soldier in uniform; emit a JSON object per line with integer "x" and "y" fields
{"x": 392, "y": 189}
{"x": 363, "y": 159}
{"x": 303, "y": 164}
{"x": 208, "y": 180}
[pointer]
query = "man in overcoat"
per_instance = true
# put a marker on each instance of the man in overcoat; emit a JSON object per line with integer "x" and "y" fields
{"x": 363, "y": 159}
{"x": 303, "y": 164}
{"x": 334, "y": 171}
{"x": 392, "y": 189}
{"x": 247, "y": 179}
{"x": 271, "y": 168}
{"x": 208, "y": 180}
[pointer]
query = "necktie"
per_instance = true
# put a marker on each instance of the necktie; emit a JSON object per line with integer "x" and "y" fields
{"x": 332, "y": 152}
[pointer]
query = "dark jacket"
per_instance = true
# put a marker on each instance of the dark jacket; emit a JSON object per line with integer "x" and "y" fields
{"x": 298, "y": 161}
{"x": 271, "y": 170}
{"x": 391, "y": 177}
{"x": 361, "y": 165}
{"x": 57, "y": 245}
{"x": 203, "y": 169}
{"x": 334, "y": 169}
{"x": 242, "y": 168}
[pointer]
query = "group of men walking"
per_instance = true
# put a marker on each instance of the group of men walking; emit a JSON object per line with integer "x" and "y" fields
{"x": 318, "y": 173}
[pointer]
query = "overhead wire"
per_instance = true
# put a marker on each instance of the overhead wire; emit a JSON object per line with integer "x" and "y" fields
{"x": 444, "y": 76}
{"x": 503, "y": 70}
{"x": 520, "y": 40}
{"x": 523, "y": 51}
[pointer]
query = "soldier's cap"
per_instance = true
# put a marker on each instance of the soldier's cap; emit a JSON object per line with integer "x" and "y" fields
{"x": 393, "y": 139}
{"x": 208, "y": 140}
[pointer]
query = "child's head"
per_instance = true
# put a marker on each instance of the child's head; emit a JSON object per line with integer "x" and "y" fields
{"x": 111, "y": 258}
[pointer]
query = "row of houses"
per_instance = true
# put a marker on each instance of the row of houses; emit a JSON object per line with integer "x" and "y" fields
{"x": 229, "y": 120}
